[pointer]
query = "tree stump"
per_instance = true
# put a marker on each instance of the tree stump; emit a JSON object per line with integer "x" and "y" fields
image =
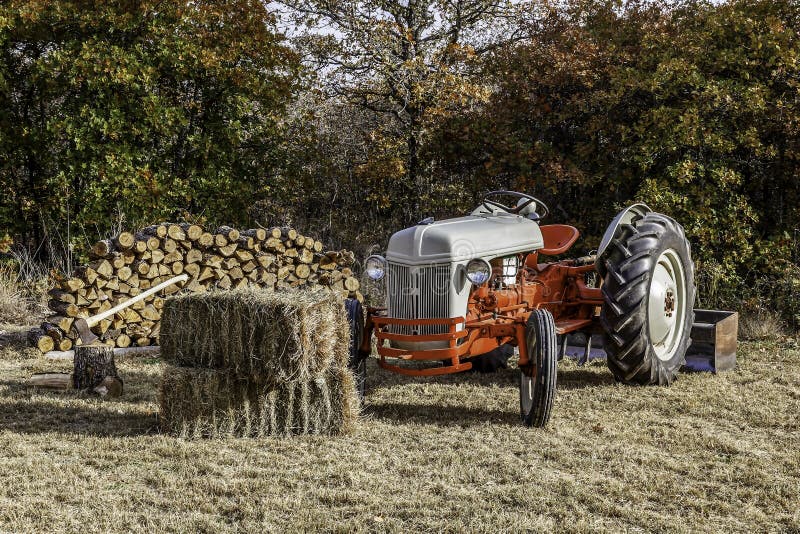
{"x": 95, "y": 370}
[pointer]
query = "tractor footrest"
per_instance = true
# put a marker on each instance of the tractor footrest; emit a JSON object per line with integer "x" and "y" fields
{"x": 571, "y": 325}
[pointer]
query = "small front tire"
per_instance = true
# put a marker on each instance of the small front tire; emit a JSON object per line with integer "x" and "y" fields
{"x": 537, "y": 386}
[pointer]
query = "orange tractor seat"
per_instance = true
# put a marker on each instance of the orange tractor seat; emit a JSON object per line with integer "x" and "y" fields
{"x": 558, "y": 238}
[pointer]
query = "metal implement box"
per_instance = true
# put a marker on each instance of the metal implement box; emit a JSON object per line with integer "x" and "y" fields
{"x": 714, "y": 334}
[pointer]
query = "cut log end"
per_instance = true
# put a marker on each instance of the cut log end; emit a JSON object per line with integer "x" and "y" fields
{"x": 125, "y": 240}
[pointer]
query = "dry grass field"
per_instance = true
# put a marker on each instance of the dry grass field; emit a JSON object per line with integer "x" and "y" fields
{"x": 710, "y": 453}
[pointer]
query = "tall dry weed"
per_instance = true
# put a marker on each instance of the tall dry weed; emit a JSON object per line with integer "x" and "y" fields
{"x": 14, "y": 307}
{"x": 23, "y": 289}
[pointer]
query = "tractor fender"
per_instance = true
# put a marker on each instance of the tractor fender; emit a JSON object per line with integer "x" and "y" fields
{"x": 626, "y": 216}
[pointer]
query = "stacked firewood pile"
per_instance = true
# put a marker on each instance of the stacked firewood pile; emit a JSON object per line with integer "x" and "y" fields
{"x": 123, "y": 267}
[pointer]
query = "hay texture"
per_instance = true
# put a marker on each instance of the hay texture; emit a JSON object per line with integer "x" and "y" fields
{"x": 198, "y": 402}
{"x": 259, "y": 335}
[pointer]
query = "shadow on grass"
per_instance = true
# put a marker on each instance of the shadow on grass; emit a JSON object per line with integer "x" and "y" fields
{"x": 100, "y": 419}
{"x": 584, "y": 378}
{"x": 13, "y": 336}
{"x": 438, "y": 415}
{"x": 134, "y": 381}
{"x": 379, "y": 377}
{"x": 580, "y": 378}
{"x": 568, "y": 379}
{"x": 32, "y": 410}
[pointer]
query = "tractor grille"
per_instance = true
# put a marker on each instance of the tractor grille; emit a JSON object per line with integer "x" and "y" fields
{"x": 418, "y": 293}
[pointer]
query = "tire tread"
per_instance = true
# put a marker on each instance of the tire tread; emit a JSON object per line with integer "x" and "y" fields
{"x": 541, "y": 334}
{"x": 628, "y": 266}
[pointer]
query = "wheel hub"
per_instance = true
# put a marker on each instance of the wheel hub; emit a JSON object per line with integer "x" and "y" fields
{"x": 666, "y": 304}
{"x": 669, "y": 303}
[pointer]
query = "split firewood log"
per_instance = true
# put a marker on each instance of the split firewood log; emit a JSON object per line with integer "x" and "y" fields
{"x": 246, "y": 242}
{"x": 351, "y": 283}
{"x": 259, "y": 234}
{"x": 38, "y": 338}
{"x": 228, "y": 250}
{"x": 62, "y": 296}
{"x": 169, "y": 245}
{"x": 151, "y": 242}
{"x": 103, "y": 248}
{"x": 288, "y": 233}
{"x": 125, "y": 240}
{"x": 73, "y": 284}
{"x": 175, "y": 232}
{"x": 192, "y": 256}
{"x": 205, "y": 240}
{"x": 156, "y": 230}
{"x": 230, "y": 234}
{"x": 192, "y": 231}
{"x": 53, "y": 331}
{"x": 63, "y": 308}
{"x": 117, "y": 260}
{"x": 63, "y": 323}
{"x": 302, "y": 271}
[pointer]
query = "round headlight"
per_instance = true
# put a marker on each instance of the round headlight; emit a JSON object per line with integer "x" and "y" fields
{"x": 478, "y": 271}
{"x": 375, "y": 266}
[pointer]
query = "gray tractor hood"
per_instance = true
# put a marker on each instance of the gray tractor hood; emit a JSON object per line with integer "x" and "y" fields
{"x": 485, "y": 236}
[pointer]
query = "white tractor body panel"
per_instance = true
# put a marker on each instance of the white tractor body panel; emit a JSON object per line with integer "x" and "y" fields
{"x": 426, "y": 275}
{"x": 463, "y": 239}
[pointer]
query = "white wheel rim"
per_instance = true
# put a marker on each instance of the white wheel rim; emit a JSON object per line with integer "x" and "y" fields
{"x": 666, "y": 309}
{"x": 526, "y": 392}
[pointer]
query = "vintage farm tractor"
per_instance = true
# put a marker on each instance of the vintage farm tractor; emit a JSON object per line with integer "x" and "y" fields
{"x": 459, "y": 288}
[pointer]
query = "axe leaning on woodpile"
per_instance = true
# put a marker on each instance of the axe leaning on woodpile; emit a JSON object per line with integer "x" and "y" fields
{"x": 94, "y": 368}
{"x": 83, "y": 326}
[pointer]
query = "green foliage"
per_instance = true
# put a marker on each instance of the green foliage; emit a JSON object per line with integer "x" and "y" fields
{"x": 693, "y": 109}
{"x": 149, "y": 108}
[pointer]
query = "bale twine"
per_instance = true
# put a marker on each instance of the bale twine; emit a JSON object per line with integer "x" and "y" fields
{"x": 264, "y": 336}
{"x": 197, "y": 402}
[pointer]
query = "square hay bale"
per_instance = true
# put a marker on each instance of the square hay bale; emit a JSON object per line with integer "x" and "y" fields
{"x": 264, "y": 336}
{"x": 198, "y": 402}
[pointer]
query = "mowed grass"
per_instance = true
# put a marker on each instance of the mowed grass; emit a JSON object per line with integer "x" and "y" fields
{"x": 710, "y": 453}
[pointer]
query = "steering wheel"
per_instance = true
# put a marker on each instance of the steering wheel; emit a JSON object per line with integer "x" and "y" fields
{"x": 488, "y": 202}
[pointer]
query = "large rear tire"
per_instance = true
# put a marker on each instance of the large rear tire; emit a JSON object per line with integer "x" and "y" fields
{"x": 648, "y": 300}
{"x": 537, "y": 385}
{"x": 357, "y": 362}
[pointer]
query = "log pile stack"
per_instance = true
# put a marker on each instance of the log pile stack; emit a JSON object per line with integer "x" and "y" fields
{"x": 132, "y": 262}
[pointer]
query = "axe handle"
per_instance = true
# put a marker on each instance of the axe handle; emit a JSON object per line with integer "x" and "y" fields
{"x": 94, "y": 319}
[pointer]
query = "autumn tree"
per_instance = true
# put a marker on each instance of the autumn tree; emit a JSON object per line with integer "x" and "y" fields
{"x": 152, "y": 108}
{"x": 407, "y": 62}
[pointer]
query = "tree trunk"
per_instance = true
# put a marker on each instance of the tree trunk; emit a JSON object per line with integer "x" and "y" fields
{"x": 413, "y": 174}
